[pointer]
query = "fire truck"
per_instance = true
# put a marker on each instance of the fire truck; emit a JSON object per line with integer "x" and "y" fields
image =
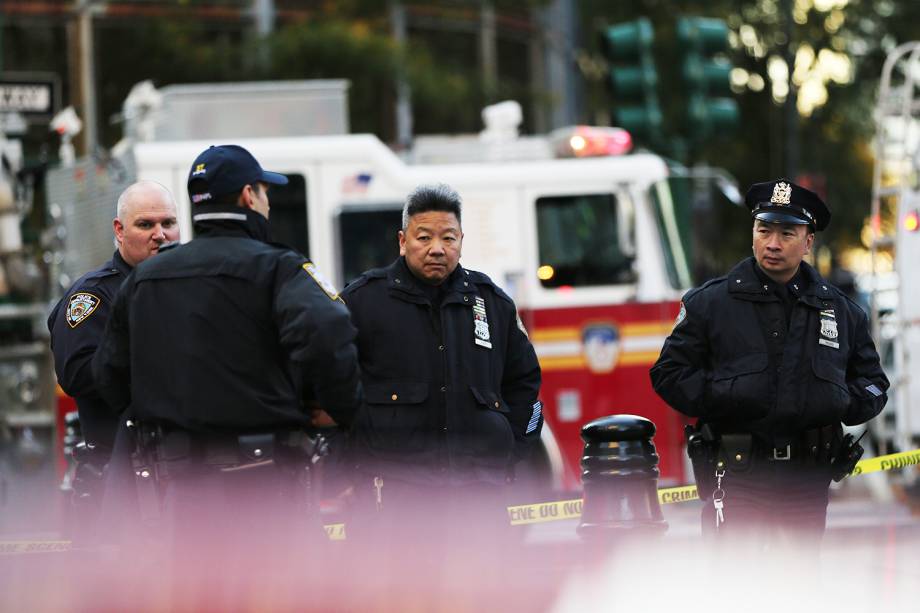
{"x": 583, "y": 234}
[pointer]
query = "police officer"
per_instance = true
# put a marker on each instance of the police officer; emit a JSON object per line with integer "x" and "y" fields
{"x": 771, "y": 358}
{"x": 145, "y": 221}
{"x": 451, "y": 383}
{"x": 255, "y": 333}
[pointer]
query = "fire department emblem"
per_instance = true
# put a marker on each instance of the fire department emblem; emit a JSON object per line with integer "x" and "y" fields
{"x": 782, "y": 193}
{"x": 81, "y": 306}
{"x": 601, "y": 347}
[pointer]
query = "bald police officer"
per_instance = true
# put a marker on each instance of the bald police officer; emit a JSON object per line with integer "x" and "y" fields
{"x": 771, "y": 358}
{"x": 145, "y": 221}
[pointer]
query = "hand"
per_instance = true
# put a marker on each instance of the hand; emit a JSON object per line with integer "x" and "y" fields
{"x": 321, "y": 419}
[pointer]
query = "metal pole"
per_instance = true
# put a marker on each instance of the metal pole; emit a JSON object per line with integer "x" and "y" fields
{"x": 87, "y": 74}
{"x": 403, "y": 91}
{"x": 488, "y": 49}
{"x": 791, "y": 112}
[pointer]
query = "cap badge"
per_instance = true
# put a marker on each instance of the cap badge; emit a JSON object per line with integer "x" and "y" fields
{"x": 782, "y": 193}
{"x": 199, "y": 170}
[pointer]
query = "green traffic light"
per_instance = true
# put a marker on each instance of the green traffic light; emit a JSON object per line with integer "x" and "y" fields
{"x": 705, "y": 34}
{"x": 628, "y": 40}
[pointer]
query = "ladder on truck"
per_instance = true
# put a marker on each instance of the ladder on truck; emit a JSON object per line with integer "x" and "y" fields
{"x": 895, "y": 245}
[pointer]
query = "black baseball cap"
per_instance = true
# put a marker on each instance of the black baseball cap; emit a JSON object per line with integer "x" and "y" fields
{"x": 226, "y": 169}
{"x": 782, "y": 201}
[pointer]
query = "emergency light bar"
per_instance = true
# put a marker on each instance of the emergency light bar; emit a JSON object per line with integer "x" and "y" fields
{"x": 590, "y": 141}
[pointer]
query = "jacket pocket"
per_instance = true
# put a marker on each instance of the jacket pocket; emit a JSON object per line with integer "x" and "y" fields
{"x": 488, "y": 437}
{"x": 397, "y": 416}
{"x": 828, "y": 397}
{"x": 741, "y": 389}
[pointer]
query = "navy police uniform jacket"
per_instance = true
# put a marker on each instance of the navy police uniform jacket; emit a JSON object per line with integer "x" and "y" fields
{"x": 450, "y": 378}
{"x": 734, "y": 360}
{"x": 228, "y": 333}
{"x": 76, "y": 324}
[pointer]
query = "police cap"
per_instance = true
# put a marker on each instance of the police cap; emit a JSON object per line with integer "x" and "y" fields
{"x": 226, "y": 169}
{"x": 782, "y": 201}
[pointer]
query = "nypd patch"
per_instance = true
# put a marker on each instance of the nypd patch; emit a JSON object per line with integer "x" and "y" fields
{"x": 80, "y": 307}
{"x": 321, "y": 280}
{"x": 681, "y": 315}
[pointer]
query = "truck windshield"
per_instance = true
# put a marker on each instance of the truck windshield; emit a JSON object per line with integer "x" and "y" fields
{"x": 584, "y": 240}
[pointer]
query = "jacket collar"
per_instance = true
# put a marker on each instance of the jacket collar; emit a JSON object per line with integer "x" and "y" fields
{"x": 119, "y": 264}
{"x": 744, "y": 282}
{"x": 402, "y": 282}
{"x": 229, "y": 220}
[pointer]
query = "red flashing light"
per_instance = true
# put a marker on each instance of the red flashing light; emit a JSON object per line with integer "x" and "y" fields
{"x": 591, "y": 141}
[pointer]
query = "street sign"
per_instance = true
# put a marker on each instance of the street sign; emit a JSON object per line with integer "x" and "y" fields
{"x": 34, "y": 95}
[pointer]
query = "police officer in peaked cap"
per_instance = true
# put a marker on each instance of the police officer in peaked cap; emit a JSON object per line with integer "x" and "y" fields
{"x": 771, "y": 359}
{"x": 257, "y": 332}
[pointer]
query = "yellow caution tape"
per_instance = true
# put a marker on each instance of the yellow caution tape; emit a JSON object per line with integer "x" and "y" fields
{"x": 887, "y": 462}
{"x": 523, "y": 514}
{"x": 570, "y": 509}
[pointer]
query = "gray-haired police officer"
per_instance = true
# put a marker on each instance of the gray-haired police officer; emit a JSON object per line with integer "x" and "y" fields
{"x": 254, "y": 331}
{"x": 771, "y": 358}
{"x": 145, "y": 221}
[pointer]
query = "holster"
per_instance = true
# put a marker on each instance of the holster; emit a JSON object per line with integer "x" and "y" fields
{"x": 702, "y": 448}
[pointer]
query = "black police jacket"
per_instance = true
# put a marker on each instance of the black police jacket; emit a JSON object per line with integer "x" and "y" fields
{"x": 76, "y": 324}
{"x": 733, "y": 361}
{"x": 451, "y": 392}
{"x": 228, "y": 332}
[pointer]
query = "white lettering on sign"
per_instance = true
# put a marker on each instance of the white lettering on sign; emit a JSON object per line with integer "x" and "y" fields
{"x": 25, "y": 98}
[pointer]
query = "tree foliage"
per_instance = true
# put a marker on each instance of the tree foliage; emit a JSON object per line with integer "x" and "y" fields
{"x": 840, "y": 45}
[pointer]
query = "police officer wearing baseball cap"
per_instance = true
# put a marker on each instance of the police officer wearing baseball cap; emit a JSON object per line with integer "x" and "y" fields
{"x": 771, "y": 359}
{"x": 255, "y": 331}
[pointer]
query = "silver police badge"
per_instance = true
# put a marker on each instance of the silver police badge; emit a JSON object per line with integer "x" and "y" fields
{"x": 81, "y": 306}
{"x": 481, "y": 334}
{"x": 828, "y": 329}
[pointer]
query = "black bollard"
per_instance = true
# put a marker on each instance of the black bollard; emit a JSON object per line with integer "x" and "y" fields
{"x": 620, "y": 477}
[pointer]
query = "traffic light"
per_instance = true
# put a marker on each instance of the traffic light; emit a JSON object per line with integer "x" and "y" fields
{"x": 632, "y": 77}
{"x": 710, "y": 111}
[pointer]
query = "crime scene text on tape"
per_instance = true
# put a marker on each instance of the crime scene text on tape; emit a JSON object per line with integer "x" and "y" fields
{"x": 571, "y": 509}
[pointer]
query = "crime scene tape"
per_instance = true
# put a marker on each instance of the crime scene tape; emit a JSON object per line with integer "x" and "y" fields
{"x": 523, "y": 514}
{"x": 571, "y": 509}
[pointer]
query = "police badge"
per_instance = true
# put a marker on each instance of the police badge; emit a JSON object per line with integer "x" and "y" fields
{"x": 481, "y": 334}
{"x": 828, "y": 329}
{"x": 782, "y": 193}
{"x": 80, "y": 306}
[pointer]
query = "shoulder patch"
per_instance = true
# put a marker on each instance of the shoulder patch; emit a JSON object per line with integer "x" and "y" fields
{"x": 321, "y": 280}
{"x": 681, "y": 315}
{"x": 520, "y": 325}
{"x": 80, "y": 306}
